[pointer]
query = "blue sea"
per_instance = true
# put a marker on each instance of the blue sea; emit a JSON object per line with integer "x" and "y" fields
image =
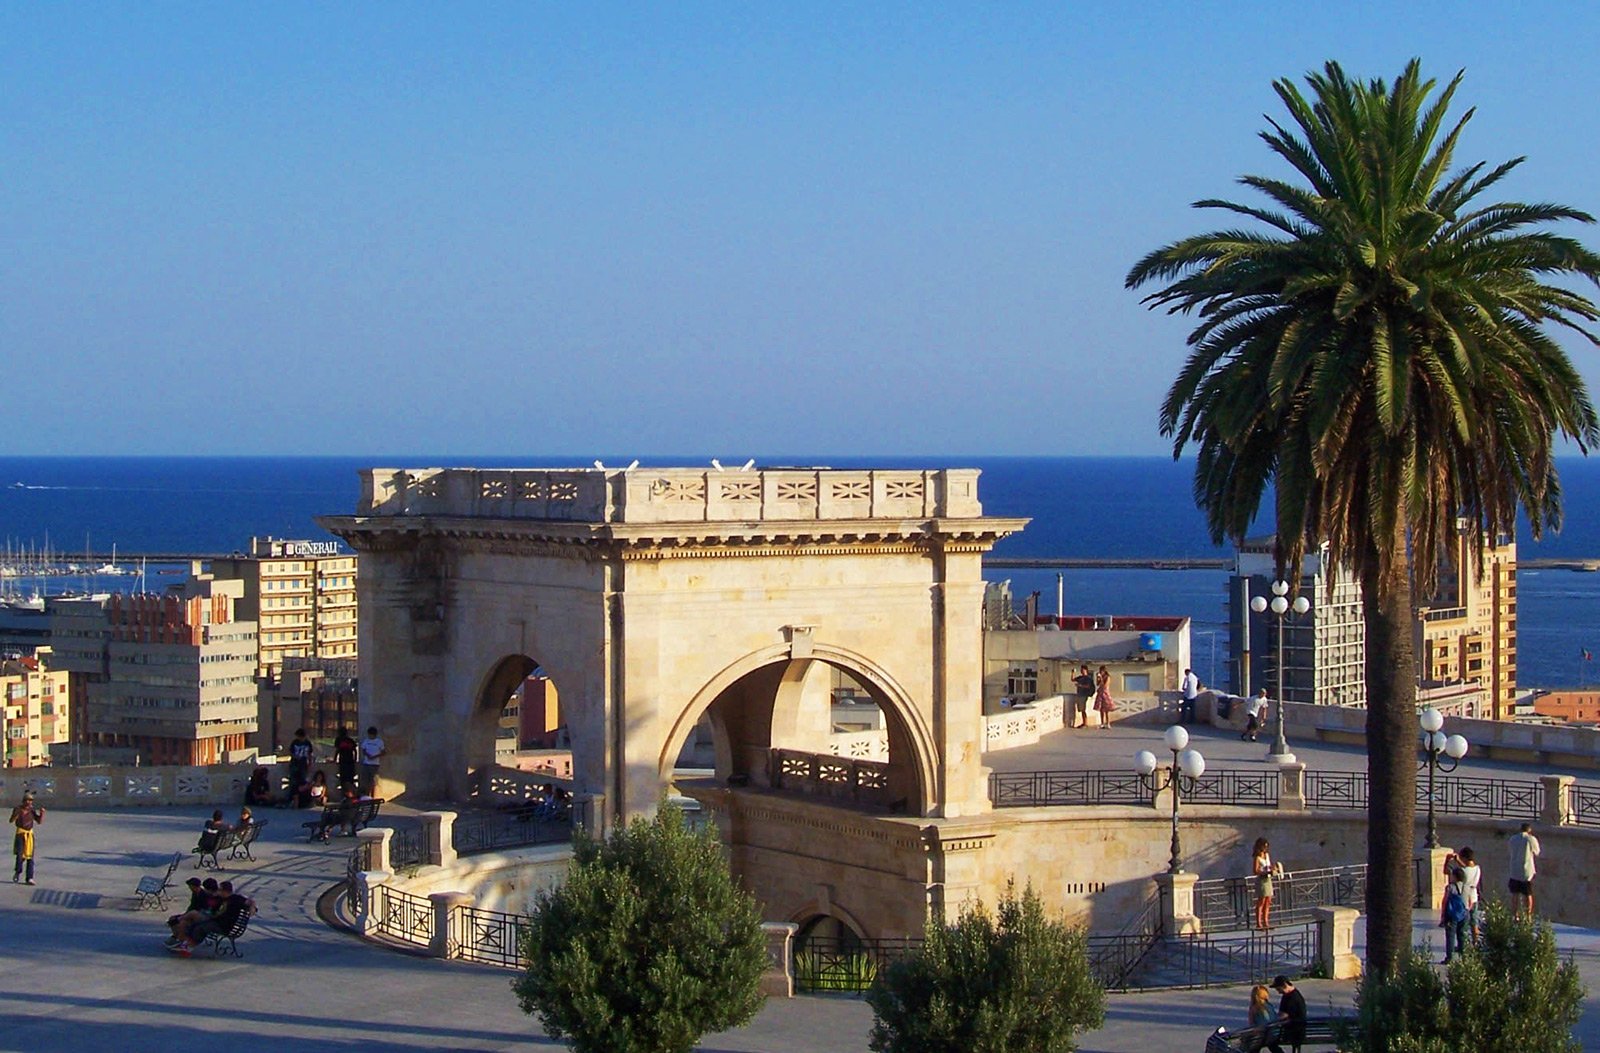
{"x": 1080, "y": 507}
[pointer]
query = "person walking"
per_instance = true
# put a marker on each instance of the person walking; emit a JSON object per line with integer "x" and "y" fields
{"x": 1524, "y": 849}
{"x": 1255, "y": 712}
{"x": 1261, "y": 870}
{"x": 1102, "y": 697}
{"x": 371, "y": 749}
{"x": 25, "y": 817}
{"x": 1191, "y": 692}
{"x": 1084, "y": 684}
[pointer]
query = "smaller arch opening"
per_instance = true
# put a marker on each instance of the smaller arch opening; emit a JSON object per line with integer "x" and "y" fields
{"x": 517, "y": 744}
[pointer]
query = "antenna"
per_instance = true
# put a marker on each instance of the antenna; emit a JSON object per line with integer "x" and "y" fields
{"x": 717, "y": 464}
{"x": 632, "y": 465}
{"x": 751, "y": 463}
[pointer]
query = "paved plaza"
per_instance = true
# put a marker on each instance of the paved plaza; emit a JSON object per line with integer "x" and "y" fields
{"x": 84, "y": 970}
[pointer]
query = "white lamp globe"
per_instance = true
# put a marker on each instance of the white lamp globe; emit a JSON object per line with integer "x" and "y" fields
{"x": 1258, "y": 603}
{"x": 1301, "y": 605}
{"x": 1192, "y": 764}
{"x": 1436, "y": 742}
{"x": 1144, "y": 762}
{"x": 1177, "y": 737}
{"x": 1280, "y": 588}
{"x": 1279, "y": 605}
{"x": 1456, "y": 747}
{"x": 1432, "y": 720}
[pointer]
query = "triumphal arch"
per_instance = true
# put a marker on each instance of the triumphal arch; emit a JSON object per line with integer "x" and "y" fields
{"x": 659, "y": 600}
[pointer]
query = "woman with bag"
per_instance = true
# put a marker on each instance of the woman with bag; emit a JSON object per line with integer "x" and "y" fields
{"x": 1263, "y": 870}
{"x": 1102, "y": 697}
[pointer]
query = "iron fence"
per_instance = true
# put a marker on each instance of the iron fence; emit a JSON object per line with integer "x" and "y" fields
{"x": 1228, "y": 903}
{"x": 1501, "y": 798}
{"x": 487, "y": 832}
{"x": 402, "y": 916}
{"x": 1586, "y": 805}
{"x": 1027, "y": 789}
{"x": 405, "y": 847}
{"x": 1214, "y": 959}
{"x": 1243, "y": 786}
{"x": 849, "y": 964}
{"x": 488, "y": 936}
{"x": 1336, "y": 789}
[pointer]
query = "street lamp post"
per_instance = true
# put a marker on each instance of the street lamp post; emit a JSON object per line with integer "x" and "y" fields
{"x": 1280, "y": 605}
{"x": 1434, "y": 742}
{"x": 1187, "y": 767}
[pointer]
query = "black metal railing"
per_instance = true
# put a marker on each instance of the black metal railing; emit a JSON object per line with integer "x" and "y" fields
{"x": 849, "y": 964}
{"x": 1027, "y": 789}
{"x": 1242, "y": 786}
{"x": 1336, "y": 789}
{"x": 1115, "y": 958}
{"x": 402, "y": 916}
{"x": 405, "y": 847}
{"x": 1585, "y": 802}
{"x": 1463, "y": 795}
{"x": 488, "y": 936}
{"x": 1224, "y": 904}
{"x": 1214, "y": 959}
{"x": 490, "y": 831}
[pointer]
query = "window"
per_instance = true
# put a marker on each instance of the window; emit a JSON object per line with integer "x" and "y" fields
{"x": 1135, "y": 682}
{"x": 1022, "y": 681}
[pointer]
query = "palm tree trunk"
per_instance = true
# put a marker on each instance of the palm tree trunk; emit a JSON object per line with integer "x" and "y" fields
{"x": 1391, "y": 755}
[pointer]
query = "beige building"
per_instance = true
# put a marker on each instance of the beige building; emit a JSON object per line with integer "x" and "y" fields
{"x": 302, "y": 596}
{"x": 179, "y": 682}
{"x": 1468, "y": 634}
{"x": 37, "y": 708}
{"x": 1144, "y": 656}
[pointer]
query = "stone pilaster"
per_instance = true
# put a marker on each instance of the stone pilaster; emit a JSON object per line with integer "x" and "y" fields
{"x": 1433, "y": 878}
{"x": 438, "y": 838}
{"x": 1292, "y": 787}
{"x": 367, "y": 882}
{"x": 444, "y": 904}
{"x": 1557, "y": 807}
{"x": 373, "y": 844}
{"x": 1336, "y": 938}
{"x": 1177, "y": 903}
{"x": 778, "y": 980}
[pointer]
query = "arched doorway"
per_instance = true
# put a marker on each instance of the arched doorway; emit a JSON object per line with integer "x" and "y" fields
{"x": 516, "y": 724}
{"x": 827, "y": 724}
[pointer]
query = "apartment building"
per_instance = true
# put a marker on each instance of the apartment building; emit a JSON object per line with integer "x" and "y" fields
{"x": 37, "y": 708}
{"x": 301, "y": 594}
{"x": 1468, "y": 632}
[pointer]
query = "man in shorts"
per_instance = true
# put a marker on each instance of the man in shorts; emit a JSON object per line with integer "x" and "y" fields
{"x": 1524, "y": 849}
{"x": 1083, "y": 683}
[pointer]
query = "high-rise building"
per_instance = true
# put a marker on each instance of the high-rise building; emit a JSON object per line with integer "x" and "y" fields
{"x": 1465, "y": 636}
{"x": 301, "y": 594}
{"x": 37, "y": 708}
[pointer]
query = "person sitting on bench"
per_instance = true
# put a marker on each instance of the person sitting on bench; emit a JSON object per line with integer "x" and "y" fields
{"x": 1292, "y": 1011}
{"x": 203, "y": 899}
{"x": 232, "y": 905}
{"x": 214, "y": 829}
{"x": 259, "y": 790}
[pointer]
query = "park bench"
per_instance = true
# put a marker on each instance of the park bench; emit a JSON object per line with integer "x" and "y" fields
{"x": 215, "y": 940}
{"x": 1322, "y": 1032}
{"x": 247, "y": 837}
{"x": 350, "y": 814}
{"x": 226, "y": 841}
{"x": 152, "y": 890}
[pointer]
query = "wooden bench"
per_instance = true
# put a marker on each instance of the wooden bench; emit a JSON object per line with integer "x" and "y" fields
{"x": 352, "y": 815}
{"x": 215, "y": 939}
{"x": 152, "y": 890}
{"x": 1322, "y": 1032}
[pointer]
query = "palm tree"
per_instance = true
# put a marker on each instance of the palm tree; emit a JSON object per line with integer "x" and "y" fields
{"x": 1376, "y": 345}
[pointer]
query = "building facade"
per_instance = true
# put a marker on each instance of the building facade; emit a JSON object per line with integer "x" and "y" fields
{"x": 37, "y": 708}
{"x": 1468, "y": 633}
{"x": 302, "y": 596}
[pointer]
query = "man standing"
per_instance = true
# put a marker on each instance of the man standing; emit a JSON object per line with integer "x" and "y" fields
{"x": 1083, "y": 683}
{"x": 24, "y": 817}
{"x": 300, "y": 753}
{"x": 344, "y": 751}
{"x": 371, "y": 749}
{"x": 1292, "y": 1011}
{"x": 1524, "y": 849}
{"x": 1191, "y": 691}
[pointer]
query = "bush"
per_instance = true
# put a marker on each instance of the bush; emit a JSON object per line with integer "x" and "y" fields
{"x": 1016, "y": 982}
{"x": 1512, "y": 995}
{"x": 647, "y": 946}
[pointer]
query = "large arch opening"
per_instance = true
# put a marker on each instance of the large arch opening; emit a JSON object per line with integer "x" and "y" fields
{"x": 826, "y": 725}
{"x": 517, "y": 746}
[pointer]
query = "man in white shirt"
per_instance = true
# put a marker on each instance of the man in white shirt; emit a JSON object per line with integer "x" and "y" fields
{"x": 1524, "y": 848}
{"x": 1255, "y": 711}
{"x": 371, "y": 749}
{"x": 1191, "y": 691}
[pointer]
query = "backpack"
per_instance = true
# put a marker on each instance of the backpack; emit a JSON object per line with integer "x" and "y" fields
{"x": 1455, "y": 907}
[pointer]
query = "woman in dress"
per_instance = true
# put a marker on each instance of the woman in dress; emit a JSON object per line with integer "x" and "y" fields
{"x": 1102, "y": 697}
{"x": 1261, "y": 869}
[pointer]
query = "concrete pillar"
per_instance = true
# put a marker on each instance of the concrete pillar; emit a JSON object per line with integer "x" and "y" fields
{"x": 1177, "y": 903}
{"x": 438, "y": 838}
{"x": 1432, "y": 877}
{"x": 778, "y": 980}
{"x": 444, "y": 904}
{"x": 1336, "y": 938}
{"x": 589, "y": 812}
{"x": 1292, "y": 787}
{"x": 367, "y": 914}
{"x": 373, "y": 844}
{"x": 1557, "y": 809}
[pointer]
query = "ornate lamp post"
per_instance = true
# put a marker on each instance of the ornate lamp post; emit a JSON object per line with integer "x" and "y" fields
{"x": 1280, "y": 605}
{"x": 1434, "y": 742}
{"x": 1187, "y": 767}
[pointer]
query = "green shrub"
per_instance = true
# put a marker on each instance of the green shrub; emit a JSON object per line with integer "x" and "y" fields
{"x": 647, "y": 946}
{"x": 1014, "y": 982}
{"x": 1512, "y": 995}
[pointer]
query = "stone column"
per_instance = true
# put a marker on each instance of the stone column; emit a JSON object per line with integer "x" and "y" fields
{"x": 589, "y": 812}
{"x": 367, "y": 883}
{"x": 444, "y": 904}
{"x": 1292, "y": 787}
{"x": 1433, "y": 878}
{"x": 438, "y": 838}
{"x": 373, "y": 844}
{"x": 1557, "y": 809}
{"x": 1336, "y": 938}
{"x": 778, "y": 980}
{"x": 1177, "y": 903}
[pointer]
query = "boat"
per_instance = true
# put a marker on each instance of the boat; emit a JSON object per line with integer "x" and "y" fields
{"x": 111, "y": 569}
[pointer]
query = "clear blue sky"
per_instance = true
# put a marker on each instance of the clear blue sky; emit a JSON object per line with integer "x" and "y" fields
{"x": 735, "y": 229}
